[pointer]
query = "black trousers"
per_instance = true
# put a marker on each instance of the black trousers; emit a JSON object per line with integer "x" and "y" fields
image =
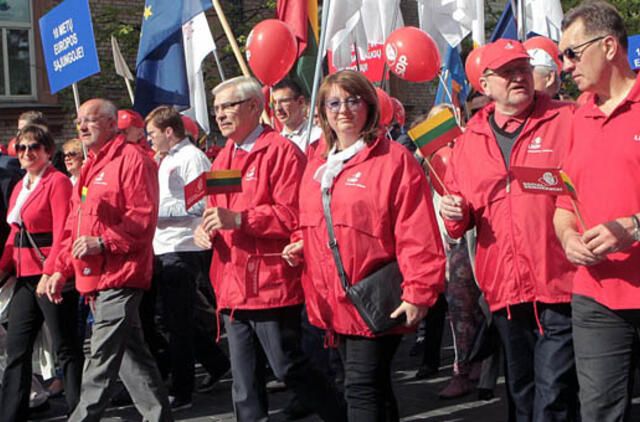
{"x": 176, "y": 280}
{"x": 277, "y": 332}
{"x": 367, "y": 377}
{"x": 27, "y": 312}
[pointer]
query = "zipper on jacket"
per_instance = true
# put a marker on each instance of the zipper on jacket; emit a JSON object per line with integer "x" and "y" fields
{"x": 508, "y": 180}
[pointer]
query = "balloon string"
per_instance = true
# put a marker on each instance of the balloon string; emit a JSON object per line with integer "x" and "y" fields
{"x": 456, "y": 112}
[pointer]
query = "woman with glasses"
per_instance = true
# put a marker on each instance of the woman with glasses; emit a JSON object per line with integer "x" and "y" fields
{"x": 381, "y": 211}
{"x": 73, "y": 158}
{"x": 37, "y": 213}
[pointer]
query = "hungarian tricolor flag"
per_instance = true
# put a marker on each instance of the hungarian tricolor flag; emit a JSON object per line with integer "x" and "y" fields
{"x": 435, "y": 132}
{"x": 302, "y": 16}
{"x": 224, "y": 181}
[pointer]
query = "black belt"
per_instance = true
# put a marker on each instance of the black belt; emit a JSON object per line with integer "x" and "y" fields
{"x": 42, "y": 240}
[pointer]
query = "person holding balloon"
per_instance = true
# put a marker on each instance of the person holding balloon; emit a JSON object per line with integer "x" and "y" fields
{"x": 381, "y": 211}
{"x": 520, "y": 265}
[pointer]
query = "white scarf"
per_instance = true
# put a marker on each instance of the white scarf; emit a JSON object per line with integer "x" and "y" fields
{"x": 327, "y": 172}
{"x": 25, "y": 192}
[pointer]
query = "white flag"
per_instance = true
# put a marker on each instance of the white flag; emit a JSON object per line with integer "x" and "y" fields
{"x": 198, "y": 44}
{"x": 544, "y": 17}
{"x": 344, "y": 29}
{"x": 380, "y": 18}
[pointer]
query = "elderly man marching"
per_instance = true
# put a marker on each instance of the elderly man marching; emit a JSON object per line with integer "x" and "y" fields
{"x": 257, "y": 292}
{"x": 520, "y": 266}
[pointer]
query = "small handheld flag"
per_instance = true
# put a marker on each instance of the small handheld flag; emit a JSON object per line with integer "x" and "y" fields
{"x": 212, "y": 182}
{"x": 435, "y": 132}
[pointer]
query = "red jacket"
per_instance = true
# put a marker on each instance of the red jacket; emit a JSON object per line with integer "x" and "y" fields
{"x": 269, "y": 204}
{"x": 518, "y": 257}
{"x": 381, "y": 209}
{"x": 121, "y": 206}
{"x": 44, "y": 211}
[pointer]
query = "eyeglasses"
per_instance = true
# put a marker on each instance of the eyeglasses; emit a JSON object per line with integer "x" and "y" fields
{"x": 220, "y": 108}
{"x": 88, "y": 120}
{"x": 70, "y": 154}
{"x": 570, "y": 52}
{"x": 352, "y": 103}
{"x": 510, "y": 71}
{"x": 35, "y": 146}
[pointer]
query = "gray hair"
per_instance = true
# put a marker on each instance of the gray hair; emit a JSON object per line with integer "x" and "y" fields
{"x": 245, "y": 87}
{"x": 109, "y": 109}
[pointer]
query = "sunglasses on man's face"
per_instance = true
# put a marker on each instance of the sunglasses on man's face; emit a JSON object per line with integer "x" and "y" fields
{"x": 572, "y": 54}
{"x": 70, "y": 154}
{"x": 35, "y": 146}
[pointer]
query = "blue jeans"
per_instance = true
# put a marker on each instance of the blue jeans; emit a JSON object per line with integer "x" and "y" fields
{"x": 541, "y": 369}
{"x": 606, "y": 343}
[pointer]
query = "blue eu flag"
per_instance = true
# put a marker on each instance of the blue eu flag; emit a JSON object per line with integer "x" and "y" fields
{"x": 161, "y": 74}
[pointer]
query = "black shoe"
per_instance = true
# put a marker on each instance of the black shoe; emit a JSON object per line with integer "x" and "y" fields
{"x": 296, "y": 410}
{"x": 426, "y": 371}
{"x": 210, "y": 380}
{"x": 179, "y": 404}
{"x": 485, "y": 394}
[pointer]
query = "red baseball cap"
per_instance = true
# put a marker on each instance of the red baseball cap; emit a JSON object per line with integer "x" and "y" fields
{"x": 501, "y": 52}
{"x": 190, "y": 126}
{"x": 543, "y": 52}
{"x": 128, "y": 118}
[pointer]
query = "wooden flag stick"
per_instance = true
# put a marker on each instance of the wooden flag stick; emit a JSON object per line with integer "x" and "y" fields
{"x": 129, "y": 89}
{"x": 234, "y": 46}
{"x": 577, "y": 211}
{"x": 439, "y": 180}
{"x": 76, "y": 99}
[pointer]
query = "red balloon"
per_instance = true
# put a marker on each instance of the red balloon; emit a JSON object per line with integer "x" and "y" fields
{"x": 439, "y": 161}
{"x": 412, "y": 54}
{"x": 398, "y": 111}
{"x": 386, "y": 107}
{"x": 11, "y": 147}
{"x": 271, "y": 50}
{"x": 472, "y": 67}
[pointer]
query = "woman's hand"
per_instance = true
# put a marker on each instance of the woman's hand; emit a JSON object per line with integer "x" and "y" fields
{"x": 54, "y": 288}
{"x": 201, "y": 238}
{"x": 41, "y": 288}
{"x": 292, "y": 253}
{"x": 413, "y": 313}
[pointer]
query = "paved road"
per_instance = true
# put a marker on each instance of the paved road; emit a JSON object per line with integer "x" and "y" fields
{"x": 417, "y": 399}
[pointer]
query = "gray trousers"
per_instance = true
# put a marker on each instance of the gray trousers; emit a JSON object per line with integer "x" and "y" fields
{"x": 118, "y": 348}
{"x": 277, "y": 332}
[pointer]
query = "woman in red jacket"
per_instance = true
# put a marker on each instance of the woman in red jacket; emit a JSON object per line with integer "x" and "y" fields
{"x": 381, "y": 211}
{"x": 37, "y": 212}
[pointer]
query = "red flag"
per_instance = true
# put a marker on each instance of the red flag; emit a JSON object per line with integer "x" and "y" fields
{"x": 295, "y": 13}
{"x": 541, "y": 180}
{"x": 195, "y": 190}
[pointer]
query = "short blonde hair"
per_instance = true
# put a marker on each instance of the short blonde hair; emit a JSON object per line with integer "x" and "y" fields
{"x": 73, "y": 143}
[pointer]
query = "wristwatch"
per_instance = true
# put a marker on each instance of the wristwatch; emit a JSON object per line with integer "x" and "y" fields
{"x": 636, "y": 228}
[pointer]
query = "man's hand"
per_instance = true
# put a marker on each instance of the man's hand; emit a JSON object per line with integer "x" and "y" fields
{"x": 41, "y": 288}
{"x": 608, "y": 237}
{"x": 86, "y": 245}
{"x": 292, "y": 253}
{"x": 453, "y": 207}
{"x": 201, "y": 238}
{"x": 575, "y": 249}
{"x": 217, "y": 218}
{"x": 413, "y": 313}
{"x": 54, "y": 288}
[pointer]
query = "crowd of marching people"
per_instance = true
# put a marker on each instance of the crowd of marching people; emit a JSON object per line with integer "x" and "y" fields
{"x": 318, "y": 246}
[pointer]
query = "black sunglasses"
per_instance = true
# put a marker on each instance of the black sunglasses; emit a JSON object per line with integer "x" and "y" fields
{"x": 571, "y": 53}
{"x": 70, "y": 154}
{"x": 35, "y": 146}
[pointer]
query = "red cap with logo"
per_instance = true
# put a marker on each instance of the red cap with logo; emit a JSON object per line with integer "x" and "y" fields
{"x": 128, "y": 118}
{"x": 501, "y": 52}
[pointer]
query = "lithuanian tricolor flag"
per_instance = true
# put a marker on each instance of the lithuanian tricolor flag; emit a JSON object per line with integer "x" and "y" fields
{"x": 224, "y": 181}
{"x": 568, "y": 184}
{"x": 435, "y": 132}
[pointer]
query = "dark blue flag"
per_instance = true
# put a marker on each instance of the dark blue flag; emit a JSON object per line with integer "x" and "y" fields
{"x": 506, "y": 27}
{"x": 161, "y": 74}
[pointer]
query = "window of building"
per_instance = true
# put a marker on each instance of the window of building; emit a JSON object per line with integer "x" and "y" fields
{"x": 17, "y": 55}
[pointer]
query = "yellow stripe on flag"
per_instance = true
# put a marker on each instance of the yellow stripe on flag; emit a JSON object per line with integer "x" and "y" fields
{"x": 431, "y": 123}
{"x": 312, "y": 10}
{"x": 224, "y": 174}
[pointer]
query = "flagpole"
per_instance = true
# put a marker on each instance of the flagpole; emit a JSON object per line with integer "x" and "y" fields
{"x": 435, "y": 174}
{"x": 318, "y": 71}
{"x": 76, "y": 99}
{"x": 577, "y": 211}
{"x": 220, "y": 71}
{"x": 129, "y": 89}
{"x": 456, "y": 112}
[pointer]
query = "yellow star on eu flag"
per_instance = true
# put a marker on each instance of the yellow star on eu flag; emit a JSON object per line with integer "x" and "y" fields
{"x": 147, "y": 12}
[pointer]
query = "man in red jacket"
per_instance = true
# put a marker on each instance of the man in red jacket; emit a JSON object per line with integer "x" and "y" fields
{"x": 520, "y": 265}
{"x": 257, "y": 292}
{"x": 114, "y": 211}
{"x": 603, "y": 163}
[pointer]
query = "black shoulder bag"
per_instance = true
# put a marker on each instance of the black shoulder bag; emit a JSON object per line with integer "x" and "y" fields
{"x": 375, "y": 296}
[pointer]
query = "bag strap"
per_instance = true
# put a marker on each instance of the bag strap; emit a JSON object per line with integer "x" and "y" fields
{"x": 33, "y": 244}
{"x": 333, "y": 244}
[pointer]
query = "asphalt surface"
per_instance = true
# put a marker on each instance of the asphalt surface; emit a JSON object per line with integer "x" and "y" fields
{"x": 417, "y": 399}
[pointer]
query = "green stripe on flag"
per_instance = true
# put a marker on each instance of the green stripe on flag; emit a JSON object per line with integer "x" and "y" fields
{"x": 435, "y": 133}
{"x": 224, "y": 182}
